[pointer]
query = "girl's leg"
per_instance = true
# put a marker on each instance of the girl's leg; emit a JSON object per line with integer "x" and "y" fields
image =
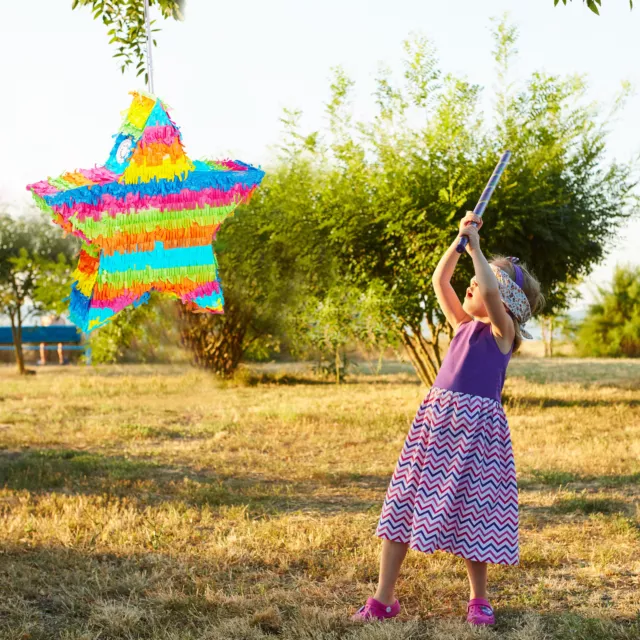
{"x": 393, "y": 554}
{"x": 477, "y": 572}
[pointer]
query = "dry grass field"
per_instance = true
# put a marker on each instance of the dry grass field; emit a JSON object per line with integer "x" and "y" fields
{"x": 153, "y": 502}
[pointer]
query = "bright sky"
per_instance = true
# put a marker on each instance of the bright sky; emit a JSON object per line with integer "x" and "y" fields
{"x": 230, "y": 69}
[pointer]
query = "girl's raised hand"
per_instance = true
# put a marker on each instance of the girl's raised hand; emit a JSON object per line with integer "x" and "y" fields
{"x": 467, "y": 229}
{"x": 468, "y": 219}
{"x": 474, "y": 237}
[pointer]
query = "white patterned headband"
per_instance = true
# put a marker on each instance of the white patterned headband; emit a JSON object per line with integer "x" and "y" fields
{"x": 513, "y": 296}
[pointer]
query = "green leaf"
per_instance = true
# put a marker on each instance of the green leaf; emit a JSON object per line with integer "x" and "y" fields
{"x": 126, "y": 23}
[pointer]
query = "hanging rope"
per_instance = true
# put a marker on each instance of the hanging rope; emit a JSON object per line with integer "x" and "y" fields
{"x": 149, "y": 46}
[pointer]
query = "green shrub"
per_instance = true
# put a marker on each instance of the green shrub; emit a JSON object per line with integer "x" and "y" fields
{"x": 612, "y": 325}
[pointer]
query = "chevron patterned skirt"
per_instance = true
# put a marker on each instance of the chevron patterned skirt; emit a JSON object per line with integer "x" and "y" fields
{"x": 454, "y": 487}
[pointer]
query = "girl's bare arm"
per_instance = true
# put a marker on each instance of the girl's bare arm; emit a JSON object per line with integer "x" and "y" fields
{"x": 501, "y": 321}
{"x": 447, "y": 298}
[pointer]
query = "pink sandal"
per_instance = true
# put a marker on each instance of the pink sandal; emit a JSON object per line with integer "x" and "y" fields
{"x": 375, "y": 610}
{"x": 479, "y": 612}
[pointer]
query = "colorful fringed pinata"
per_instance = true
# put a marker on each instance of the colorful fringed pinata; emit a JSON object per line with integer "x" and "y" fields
{"x": 147, "y": 218}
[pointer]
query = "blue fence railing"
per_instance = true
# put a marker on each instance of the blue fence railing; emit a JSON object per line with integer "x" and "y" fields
{"x": 54, "y": 334}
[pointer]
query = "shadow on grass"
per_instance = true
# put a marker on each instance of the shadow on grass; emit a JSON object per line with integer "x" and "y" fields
{"x": 150, "y": 482}
{"x": 555, "y": 478}
{"x": 249, "y": 377}
{"x": 153, "y": 593}
{"x": 584, "y": 505}
{"x": 57, "y": 590}
{"x": 565, "y": 625}
{"x": 531, "y": 402}
{"x": 622, "y": 373}
{"x": 266, "y": 379}
{"x": 71, "y": 471}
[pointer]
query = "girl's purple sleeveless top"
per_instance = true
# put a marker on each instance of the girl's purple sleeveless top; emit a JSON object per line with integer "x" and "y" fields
{"x": 474, "y": 363}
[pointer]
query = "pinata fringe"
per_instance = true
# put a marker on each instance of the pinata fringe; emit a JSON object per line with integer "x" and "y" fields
{"x": 185, "y": 288}
{"x": 196, "y": 235}
{"x": 196, "y": 181}
{"x": 139, "y": 208}
{"x": 42, "y": 205}
{"x": 128, "y": 279}
{"x": 86, "y": 272}
{"x": 139, "y": 111}
{"x": 166, "y": 169}
{"x": 79, "y": 307}
{"x": 150, "y": 220}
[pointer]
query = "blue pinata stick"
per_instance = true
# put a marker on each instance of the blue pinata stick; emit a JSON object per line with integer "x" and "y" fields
{"x": 486, "y": 195}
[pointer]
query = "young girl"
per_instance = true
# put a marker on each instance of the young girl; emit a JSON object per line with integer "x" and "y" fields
{"x": 454, "y": 487}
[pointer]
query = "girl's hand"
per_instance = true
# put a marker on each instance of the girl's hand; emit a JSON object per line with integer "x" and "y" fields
{"x": 474, "y": 238}
{"x": 468, "y": 219}
{"x": 468, "y": 229}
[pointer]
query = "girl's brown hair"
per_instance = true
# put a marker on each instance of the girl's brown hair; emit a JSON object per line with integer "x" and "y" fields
{"x": 530, "y": 286}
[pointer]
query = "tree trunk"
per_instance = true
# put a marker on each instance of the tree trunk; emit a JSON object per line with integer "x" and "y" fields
{"x": 215, "y": 341}
{"x": 380, "y": 359}
{"x": 424, "y": 353}
{"x": 547, "y": 327}
{"x": 337, "y": 365}
{"x": 16, "y": 333}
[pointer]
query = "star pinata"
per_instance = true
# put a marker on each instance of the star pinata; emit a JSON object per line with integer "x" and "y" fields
{"x": 147, "y": 218}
